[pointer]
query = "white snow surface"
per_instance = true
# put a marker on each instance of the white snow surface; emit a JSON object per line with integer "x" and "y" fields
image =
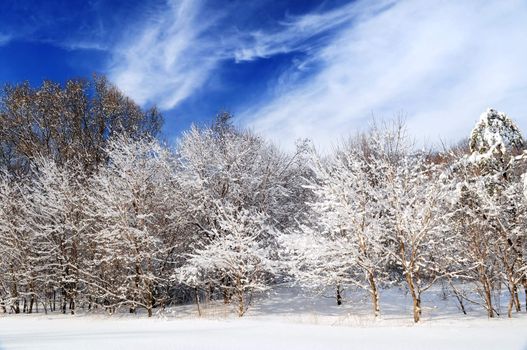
{"x": 284, "y": 321}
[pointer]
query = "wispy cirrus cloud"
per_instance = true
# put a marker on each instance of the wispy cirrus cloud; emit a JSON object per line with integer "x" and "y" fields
{"x": 302, "y": 33}
{"x": 166, "y": 61}
{"x": 180, "y": 46}
{"x": 441, "y": 63}
{"x": 4, "y": 39}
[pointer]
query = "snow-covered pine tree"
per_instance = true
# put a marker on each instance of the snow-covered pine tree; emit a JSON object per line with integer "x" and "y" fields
{"x": 495, "y": 135}
{"x": 490, "y": 213}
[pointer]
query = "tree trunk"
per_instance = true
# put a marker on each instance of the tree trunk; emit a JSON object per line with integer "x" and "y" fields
{"x": 339, "y": 295}
{"x": 458, "y": 297}
{"x": 197, "y": 301}
{"x": 72, "y": 305}
{"x": 226, "y": 296}
{"x": 17, "y": 301}
{"x": 150, "y": 299}
{"x": 417, "y": 309}
{"x": 225, "y": 290}
{"x": 17, "y": 306}
{"x": 64, "y": 304}
{"x": 514, "y": 300}
{"x": 374, "y": 294}
{"x": 488, "y": 299}
{"x": 240, "y": 292}
{"x": 241, "y": 303}
{"x": 416, "y": 298}
{"x": 31, "y": 302}
{"x": 517, "y": 299}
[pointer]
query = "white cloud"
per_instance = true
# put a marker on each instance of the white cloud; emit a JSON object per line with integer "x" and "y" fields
{"x": 167, "y": 60}
{"x": 296, "y": 33}
{"x": 179, "y": 48}
{"x": 4, "y": 39}
{"x": 440, "y": 62}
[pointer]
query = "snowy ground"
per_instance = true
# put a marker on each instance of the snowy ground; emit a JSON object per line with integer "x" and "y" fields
{"x": 286, "y": 320}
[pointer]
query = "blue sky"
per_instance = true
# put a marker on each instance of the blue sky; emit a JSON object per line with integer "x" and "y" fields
{"x": 287, "y": 69}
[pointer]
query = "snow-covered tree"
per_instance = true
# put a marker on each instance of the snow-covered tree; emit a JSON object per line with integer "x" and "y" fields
{"x": 495, "y": 135}
{"x": 473, "y": 252}
{"x": 415, "y": 229}
{"x": 488, "y": 214}
{"x": 128, "y": 212}
{"x": 237, "y": 255}
{"x": 17, "y": 271}
{"x": 226, "y": 163}
{"x": 55, "y": 217}
{"x": 222, "y": 168}
{"x": 342, "y": 245}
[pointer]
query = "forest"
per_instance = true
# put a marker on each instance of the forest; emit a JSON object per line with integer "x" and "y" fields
{"x": 99, "y": 214}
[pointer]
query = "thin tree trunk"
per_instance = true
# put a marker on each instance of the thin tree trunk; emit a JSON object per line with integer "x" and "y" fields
{"x": 517, "y": 299}
{"x": 17, "y": 301}
{"x": 149, "y": 299}
{"x": 514, "y": 301}
{"x": 488, "y": 299}
{"x": 31, "y": 302}
{"x": 458, "y": 297}
{"x": 72, "y": 305}
{"x": 197, "y": 301}
{"x": 225, "y": 290}
{"x": 226, "y": 296}
{"x": 339, "y": 295}
{"x": 241, "y": 301}
{"x": 64, "y": 304}
{"x": 416, "y": 299}
{"x": 17, "y": 306}
{"x": 374, "y": 294}
{"x": 417, "y": 309}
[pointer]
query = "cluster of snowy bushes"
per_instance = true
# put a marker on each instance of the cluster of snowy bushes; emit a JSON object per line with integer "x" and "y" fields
{"x": 225, "y": 214}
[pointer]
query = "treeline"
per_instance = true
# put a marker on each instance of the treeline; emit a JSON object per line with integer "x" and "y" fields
{"x": 96, "y": 213}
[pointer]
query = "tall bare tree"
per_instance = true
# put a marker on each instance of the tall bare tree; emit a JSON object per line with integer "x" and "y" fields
{"x": 67, "y": 122}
